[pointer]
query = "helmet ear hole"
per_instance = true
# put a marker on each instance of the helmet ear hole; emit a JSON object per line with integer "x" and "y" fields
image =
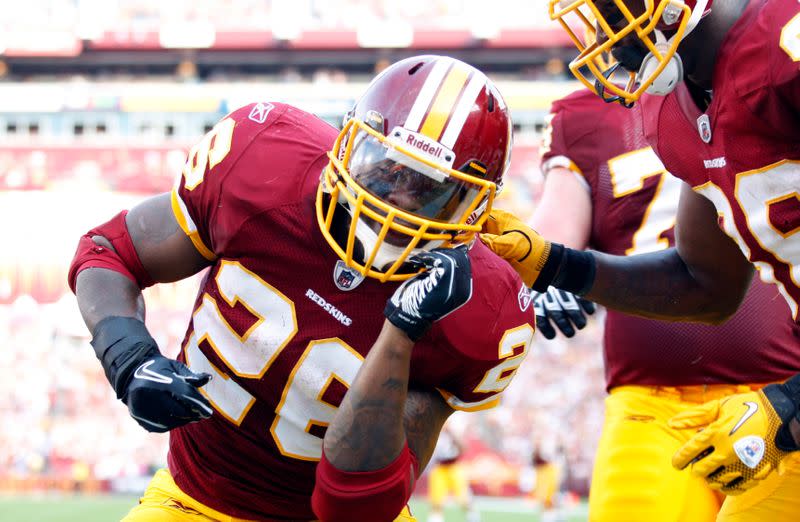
{"x": 490, "y": 104}
{"x": 415, "y": 68}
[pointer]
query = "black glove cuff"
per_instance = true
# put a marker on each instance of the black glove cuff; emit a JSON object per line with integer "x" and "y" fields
{"x": 551, "y": 267}
{"x": 121, "y": 344}
{"x": 413, "y": 327}
{"x": 785, "y": 398}
{"x": 574, "y": 272}
{"x": 791, "y": 388}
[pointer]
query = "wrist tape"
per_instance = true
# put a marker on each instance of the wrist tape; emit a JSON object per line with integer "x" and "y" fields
{"x": 121, "y": 344}
{"x": 567, "y": 269}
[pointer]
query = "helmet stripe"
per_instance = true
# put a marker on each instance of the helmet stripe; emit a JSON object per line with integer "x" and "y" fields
{"x": 462, "y": 110}
{"x": 445, "y": 101}
{"x": 427, "y": 93}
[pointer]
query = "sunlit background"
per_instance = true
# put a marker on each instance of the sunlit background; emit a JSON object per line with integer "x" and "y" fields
{"x": 100, "y": 99}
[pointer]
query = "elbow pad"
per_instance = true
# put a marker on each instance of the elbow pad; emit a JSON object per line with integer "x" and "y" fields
{"x": 377, "y": 496}
{"x": 123, "y": 259}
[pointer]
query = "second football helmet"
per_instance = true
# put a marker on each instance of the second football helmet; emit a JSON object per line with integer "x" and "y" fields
{"x": 416, "y": 166}
{"x": 644, "y": 35}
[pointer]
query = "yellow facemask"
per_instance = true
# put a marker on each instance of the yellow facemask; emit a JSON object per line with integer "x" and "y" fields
{"x": 661, "y": 68}
{"x": 399, "y": 199}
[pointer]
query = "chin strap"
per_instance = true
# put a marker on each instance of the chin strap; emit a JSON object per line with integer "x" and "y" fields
{"x": 672, "y": 74}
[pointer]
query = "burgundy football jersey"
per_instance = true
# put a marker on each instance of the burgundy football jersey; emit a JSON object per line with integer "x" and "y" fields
{"x": 283, "y": 325}
{"x": 743, "y": 152}
{"x": 634, "y": 202}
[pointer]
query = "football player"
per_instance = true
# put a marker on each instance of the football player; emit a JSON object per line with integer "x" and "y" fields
{"x": 725, "y": 121}
{"x": 622, "y": 201}
{"x": 448, "y": 477}
{"x": 307, "y": 234}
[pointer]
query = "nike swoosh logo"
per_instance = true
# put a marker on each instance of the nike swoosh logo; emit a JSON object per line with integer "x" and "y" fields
{"x": 752, "y": 408}
{"x": 144, "y": 372}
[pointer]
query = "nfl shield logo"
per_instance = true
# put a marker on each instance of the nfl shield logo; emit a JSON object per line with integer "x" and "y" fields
{"x": 704, "y": 128}
{"x": 750, "y": 450}
{"x": 345, "y": 277}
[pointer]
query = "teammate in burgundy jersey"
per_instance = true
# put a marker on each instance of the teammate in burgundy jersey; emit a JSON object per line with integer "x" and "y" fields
{"x": 728, "y": 125}
{"x": 623, "y": 202}
{"x": 285, "y": 324}
{"x": 631, "y": 203}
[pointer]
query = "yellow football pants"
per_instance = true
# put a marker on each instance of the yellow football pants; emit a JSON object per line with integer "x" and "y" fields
{"x": 448, "y": 479}
{"x": 163, "y": 501}
{"x": 548, "y": 478}
{"x": 633, "y": 479}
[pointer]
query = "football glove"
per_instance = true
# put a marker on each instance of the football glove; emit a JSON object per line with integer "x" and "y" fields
{"x": 161, "y": 394}
{"x": 743, "y": 437}
{"x": 538, "y": 262}
{"x": 444, "y": 285}
{"x": 561, "y": 308}
{"x": 517, "y": 243}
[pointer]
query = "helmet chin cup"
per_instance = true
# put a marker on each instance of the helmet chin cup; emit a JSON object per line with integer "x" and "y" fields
{"x": 669, "y": 78}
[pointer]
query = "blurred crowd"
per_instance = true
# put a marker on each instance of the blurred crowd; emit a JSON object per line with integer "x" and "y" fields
{"x": 91, "y": 18}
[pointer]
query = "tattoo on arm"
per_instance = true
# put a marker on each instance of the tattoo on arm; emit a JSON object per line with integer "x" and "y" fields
{"x": 378, "y": 415}
{"x": 357, "y": 438}
{"x": 425, "y": 414}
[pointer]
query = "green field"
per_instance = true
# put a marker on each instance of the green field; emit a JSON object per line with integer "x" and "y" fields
{"x": 111, "y": 508}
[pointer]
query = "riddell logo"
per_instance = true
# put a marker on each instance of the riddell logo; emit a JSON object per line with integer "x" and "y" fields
{"x": 433, "y": 150}
{"x": 429, "y": 148}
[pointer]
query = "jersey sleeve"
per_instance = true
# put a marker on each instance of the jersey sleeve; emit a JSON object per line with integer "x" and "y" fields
{"x": 488, "y": 338}
{"x": 769, "y": 81}
{"x": 786, "y": 64}
{"x": 211, "y": 167}
{"x": 569, "y": 140}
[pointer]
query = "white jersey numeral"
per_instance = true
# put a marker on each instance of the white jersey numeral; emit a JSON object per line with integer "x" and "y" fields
{"x": 628, "y": 173}
{"x": 207, "y": 154}
{"x": 756, "y": 191}
{"x": 790, "y": 38}
{"x": 249, "y": 355}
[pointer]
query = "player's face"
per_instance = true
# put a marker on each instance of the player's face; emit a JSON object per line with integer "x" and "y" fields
{"x": 419, "y": 189}
{"x": 629, "y": 51}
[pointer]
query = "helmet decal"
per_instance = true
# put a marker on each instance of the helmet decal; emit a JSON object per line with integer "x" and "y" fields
{"x": 445, "y": 100}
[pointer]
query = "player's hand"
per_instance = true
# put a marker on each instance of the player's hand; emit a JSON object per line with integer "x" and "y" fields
{"x": 161, "y": 394}
{"x": 445, "y": 285}
{"x": 164, "y": 394}
{"x": 559, "y": 307}
{"x": 743, "y": 438}
{"x": 517, "y": 243}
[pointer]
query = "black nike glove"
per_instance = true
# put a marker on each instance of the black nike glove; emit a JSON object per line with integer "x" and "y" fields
{"x": 445, "y": 285}
{"x": 562, "y": 308}
{"x": 161, "y": 394}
